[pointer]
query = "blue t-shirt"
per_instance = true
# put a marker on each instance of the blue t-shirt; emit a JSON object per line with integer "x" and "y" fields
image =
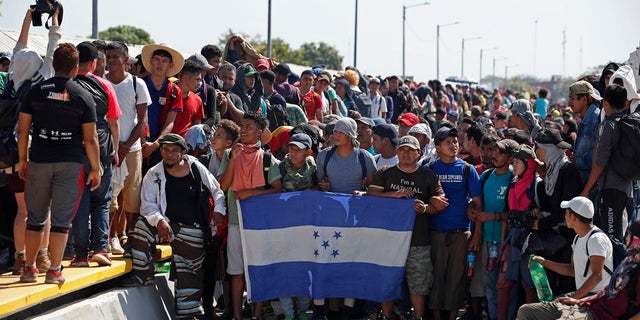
{"x": 454, "y": 184}
{"x": 345, "y": 174}
{"x": 541, "y": 107}
{"x": 494, "y": 194}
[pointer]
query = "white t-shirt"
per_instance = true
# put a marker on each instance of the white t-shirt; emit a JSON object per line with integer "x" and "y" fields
{"x": 381, "y": 162}
{"x": 599, "y": 245}
{"x": 378, "y": 105}
{"x": 126, "y": 99}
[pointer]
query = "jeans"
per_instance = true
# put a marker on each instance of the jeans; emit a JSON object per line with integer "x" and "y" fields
{"x": 94, "y": 204}
{"x": 287, "y": 305}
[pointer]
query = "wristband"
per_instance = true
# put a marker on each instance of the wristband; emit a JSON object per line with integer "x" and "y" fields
{"x": 425, "y": 208}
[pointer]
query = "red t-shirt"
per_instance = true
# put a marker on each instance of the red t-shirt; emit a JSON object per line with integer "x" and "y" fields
{"x": 192, "y": 110}
{"x": 311, "y": 102}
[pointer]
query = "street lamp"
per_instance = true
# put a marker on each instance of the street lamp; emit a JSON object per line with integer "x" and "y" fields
{"x": 462, "y": 63}
{"x": 482, "y": 50}
{"x": 506, "y": 71}
{"x": 404, "y": 21}
{"x": 493, "y": 81}
{"x": 355, "y": 39}
{"x": 438, "y": 46}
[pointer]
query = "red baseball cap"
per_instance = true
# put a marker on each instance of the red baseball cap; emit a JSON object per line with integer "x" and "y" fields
{"x": 410, "y": 119}
{"x": 262, "y": 63}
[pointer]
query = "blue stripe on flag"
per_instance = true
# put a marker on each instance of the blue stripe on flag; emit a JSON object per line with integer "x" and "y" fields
{"x": 308, "y": 279}
{"x": 317, "y": 208}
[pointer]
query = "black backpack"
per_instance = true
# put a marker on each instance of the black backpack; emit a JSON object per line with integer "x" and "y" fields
{"x": 625, "y": 158}
{"x": 619, "y": 252}
{"x": 277, "y": 115}
{"x": 362, "y": 103}
{"x": 9, "y": 111}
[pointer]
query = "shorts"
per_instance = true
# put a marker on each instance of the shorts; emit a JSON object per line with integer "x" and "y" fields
{"x": 59, "y": 185}
{"x": 235, "y": 263}
{"x": 419, "y": 272}
{"x": 132, "y": 185}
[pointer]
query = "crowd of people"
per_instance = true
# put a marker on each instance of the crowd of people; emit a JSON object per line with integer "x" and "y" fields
{"x": 118, "y": 153}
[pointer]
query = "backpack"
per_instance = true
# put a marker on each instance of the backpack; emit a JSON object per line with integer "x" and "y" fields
{"x": 619, "y": 252}
{"x": 625, "y": 157}
{"x": 360, "y": 153}
{"x": 9, "y": 111}
{"x": 362, "y": 103}
{"x": 266, "y": 167}
{"x": 277, "y": 115}
{"x": 101, "y": 98}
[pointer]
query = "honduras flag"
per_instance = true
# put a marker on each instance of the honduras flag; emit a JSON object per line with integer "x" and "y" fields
{"x": 321, "y": 245}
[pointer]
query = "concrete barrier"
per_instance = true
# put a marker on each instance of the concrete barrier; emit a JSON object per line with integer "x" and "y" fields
{"x": 148, "y": 302}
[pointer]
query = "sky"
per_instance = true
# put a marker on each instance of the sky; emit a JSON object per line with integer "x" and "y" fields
{"x": 527, "y": 36}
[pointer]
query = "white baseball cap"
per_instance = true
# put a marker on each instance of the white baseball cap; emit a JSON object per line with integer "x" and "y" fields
{"x": 580, "y": 205}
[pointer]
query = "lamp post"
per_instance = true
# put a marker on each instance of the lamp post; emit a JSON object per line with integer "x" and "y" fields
{"x": 355, "y": 39}
{"x": 438, "y": 46}
{"x": 493, "y": 81}
{"x": 94, "y": 22}
{"x": 462, "y": 63}
{"x": 483, "y": 50}
{"x": 269, "y": 31}
{"x": 506, "y": 72}
{"x": 404, "y": 22}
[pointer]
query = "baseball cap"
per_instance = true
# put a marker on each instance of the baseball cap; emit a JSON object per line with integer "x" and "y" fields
{"x": 5, "y": 56}
{"x": 173, "y": 138}
{"x": 454, "y": 114}
{"x": 408, "y": 141}
{"x": 301, "y": 140}
{"x": 506, "y": 146}
{"x": 410, "y": 119}
{"x": 440, "y": 111}
{"x": 443, "y": 133}
{"x": 501, "y": 116}
{"x": 283, "y": 69}
{"x": 249, "y": 70}
{"x": 583, "y": 87}
{"x": 580, "y": 205}
{"x": 367, "y": 121}
{"x": 552, "y": 136}
{"x": 387, "y": 130}
{"x": 201, "y": 61}
{"x": 374, "y": 80}
{"x": 421, "y": 128}
{"x": 324, "y": 76}
{"x": 262, "y": 63}
{"x": 525, "y": 152}
{"x": 87, "y": 51}
{"x": 476, "y": 111}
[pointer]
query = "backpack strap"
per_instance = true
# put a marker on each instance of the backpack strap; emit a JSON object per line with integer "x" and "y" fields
{"x": 171, "y": 96}
{"x": 363, "y": 166}
{"x": 586, "y": 247}
{"x": 135, "y": 88}
{"x": 466, "y": 171}
{"x": 327, "y": 158}
{"x": 266, "y": 166}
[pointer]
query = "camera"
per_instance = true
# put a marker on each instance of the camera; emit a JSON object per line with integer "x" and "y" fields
{"x": 45, "y": 6}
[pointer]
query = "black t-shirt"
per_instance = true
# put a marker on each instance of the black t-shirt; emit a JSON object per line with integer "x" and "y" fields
{"x": 399, "y": 104}
{"x": 59, "y": 107}
{"x": 182, "y": 198}
{"x": 423, "y": 182}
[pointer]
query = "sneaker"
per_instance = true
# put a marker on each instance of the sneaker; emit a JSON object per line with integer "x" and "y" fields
{"x": 116, "y": 248}
{"x": 54, "y": 277}
{"x": 43, "y": 262}
{"x": 101, "y": 258}
{"x": 79, "y": 262}
{"x": 136, "y": 281}
{"x": 29, "y": 275}
{"x": 123, "y": 239}
{"x": 127, "y": 250}
{"x": 19, "y": 264}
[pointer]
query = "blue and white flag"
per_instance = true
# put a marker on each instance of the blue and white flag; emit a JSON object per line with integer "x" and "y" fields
{"x": 321, "y": 244}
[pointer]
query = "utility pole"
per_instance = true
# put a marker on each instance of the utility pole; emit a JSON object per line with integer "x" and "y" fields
{"x": 269, "y": 31}
{"x": 564, "y": 51}
{"x": 94, "y": 24}
{"x": 355, "y": 39}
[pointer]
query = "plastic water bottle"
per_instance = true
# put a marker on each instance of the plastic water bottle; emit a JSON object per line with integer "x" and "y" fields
{"x": 540, "y": 280}
{"x": 493, "y": 255}
{"x": 471, "y": 263}
{"x": 162, "y": 267}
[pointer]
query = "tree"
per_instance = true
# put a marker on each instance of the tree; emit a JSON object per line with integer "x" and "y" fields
{"x": 321, "y": 54}
{"x": 126, "y": 34}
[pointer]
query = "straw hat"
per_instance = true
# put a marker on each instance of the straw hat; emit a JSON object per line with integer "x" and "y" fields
{"x": 176, "y": 57}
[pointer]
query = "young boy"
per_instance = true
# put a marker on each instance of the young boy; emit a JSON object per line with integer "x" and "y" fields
{"x": 223, "y": 138}
{"x": 298, "y": 171}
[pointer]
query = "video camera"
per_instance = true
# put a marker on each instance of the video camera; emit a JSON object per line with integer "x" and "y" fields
{"x": 48, "y": 7}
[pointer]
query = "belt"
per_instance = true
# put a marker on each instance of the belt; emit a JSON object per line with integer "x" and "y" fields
{"x": 459, "y": 230}
{"x": 192, "y": 225}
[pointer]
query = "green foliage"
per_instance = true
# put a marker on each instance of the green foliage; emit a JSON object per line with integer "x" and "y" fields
{"x": 127, "y": 34}
{"x": 308, "y": 54}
